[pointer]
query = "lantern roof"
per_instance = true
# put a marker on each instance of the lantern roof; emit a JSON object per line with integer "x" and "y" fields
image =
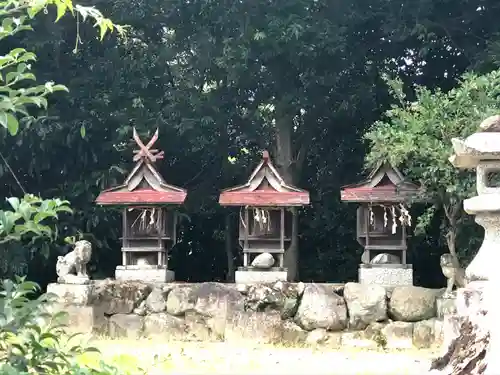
{"x": 384, "y": 184}
{"x": 265, "y": 187}
{"x": 144, "y": 185}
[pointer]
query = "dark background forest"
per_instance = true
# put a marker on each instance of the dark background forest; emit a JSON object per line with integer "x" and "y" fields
{"x": 206, "y": 74}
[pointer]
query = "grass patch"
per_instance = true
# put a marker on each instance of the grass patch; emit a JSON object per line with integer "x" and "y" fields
{"x": 155, "y": 357}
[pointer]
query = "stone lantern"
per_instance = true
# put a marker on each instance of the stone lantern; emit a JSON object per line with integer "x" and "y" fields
{"x": 472, "y": 335}
{"x": 481, "y": 151}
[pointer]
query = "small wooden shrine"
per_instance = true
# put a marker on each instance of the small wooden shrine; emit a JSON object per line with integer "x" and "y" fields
{"x": 149, "y": 216}
{"x": 383, "y": 219}
{"x": 265, "y": 221}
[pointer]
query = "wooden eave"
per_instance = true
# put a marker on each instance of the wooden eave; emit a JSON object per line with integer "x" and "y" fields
{"x": 254, "y": 193}
{"x": 373, "y": 189}
{"x": 130, "y": 192}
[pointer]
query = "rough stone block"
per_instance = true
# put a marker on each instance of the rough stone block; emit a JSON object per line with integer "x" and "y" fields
{"x": 412, "y": 303}
{"x": 321, "y": 307}
{"x": 358, "y": 339}
{"x": 399, "y": 335}
{"x": 366, "y": 304}
{"x": 164, "y": 325}
{"x": 197, "y": 328}
{"x": 149, "y": 275}
{"x": 249, "y": 277}
{"x": 257, "y": 327}
{"x": 334, "y": 340}
{"x": 292, "y": 333}
{"x": 386, "y": 276}
{"x": 125, "y": 325}
{"x": 119, "y": 297}
{"x": 74, "y": 294}
{"x": 423, "y": 334}
{"x": 83, "y": 319}
{"x": 445, "y": 306}
{"x": 317, "y": 336}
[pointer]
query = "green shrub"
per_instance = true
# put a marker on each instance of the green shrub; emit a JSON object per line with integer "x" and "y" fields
{"x": 33, "y": 340}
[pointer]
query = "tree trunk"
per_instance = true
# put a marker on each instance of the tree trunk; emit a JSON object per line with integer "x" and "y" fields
{"x": 452, "y": 211}
{"x": 284, "y": 159}
{"x": 229, "y": 250}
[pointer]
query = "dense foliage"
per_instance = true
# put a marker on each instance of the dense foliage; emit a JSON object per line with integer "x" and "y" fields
{"x": 302, "y": 78}
{"x": 33, "y": 339}
{"x": 419, "y": 133}
{"x": 29, "y": 217}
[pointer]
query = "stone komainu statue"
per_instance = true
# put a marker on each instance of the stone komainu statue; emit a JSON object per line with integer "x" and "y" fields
{"x": 74, "y": 264}
{"x": 453, "y": 272}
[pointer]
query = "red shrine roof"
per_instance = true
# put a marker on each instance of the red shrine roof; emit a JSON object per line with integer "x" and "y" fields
{"x": 144, "y": 185}
{"x": 384, "y": 184}
{"x": 265, "y": 187}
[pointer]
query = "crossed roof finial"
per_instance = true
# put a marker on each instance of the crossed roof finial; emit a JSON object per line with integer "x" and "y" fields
{"x": 145, "y": 151}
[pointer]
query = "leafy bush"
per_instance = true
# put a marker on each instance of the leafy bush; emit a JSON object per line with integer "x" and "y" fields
{"x": 33, "y": 340}
{"x": 28, "y": 216}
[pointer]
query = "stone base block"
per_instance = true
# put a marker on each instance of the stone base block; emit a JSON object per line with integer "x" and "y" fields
{"x": 386, "y": 276}
{"x": 248, "y": 277}
{"x": 82, "y": 319}
{"x": 75, "y": 294}
{"x": 446, "y": 306}
{"x": 151, "y": 275}
{"x": 398, "y": 335}
{"x": 126, "y": 325}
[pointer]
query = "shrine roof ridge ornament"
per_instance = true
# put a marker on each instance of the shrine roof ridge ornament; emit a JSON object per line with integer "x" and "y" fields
{"x": 145, "y": 152}
{"x": 144, "y": 185}
{"x": 265, "y": 187}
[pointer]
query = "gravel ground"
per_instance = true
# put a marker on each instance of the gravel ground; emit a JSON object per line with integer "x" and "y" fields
{"x": 194, "y": 358}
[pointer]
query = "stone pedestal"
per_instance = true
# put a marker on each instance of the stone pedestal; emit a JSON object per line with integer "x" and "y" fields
{"x": 388, "y": 275}
{"x": 73, "y": 294}
{"x": 147, "y": 274}
{"x": 75, "y": 301}
{"x": 249, "y": 276}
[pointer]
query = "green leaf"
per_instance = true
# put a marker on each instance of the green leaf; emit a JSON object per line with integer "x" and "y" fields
{"x": 70, "y": 240}
{"x": 82, "y": 131}
{"x": 61, "y": 10}
{"x": 102, "y": 32}
{"x": 3, "y": 119}
{"x": 59, "y": 88}
{"x": 64, "y": 209}
{"x": 34, "y": 10}
{"x": 11, "y": 76}
{"x": 6, "y": 223}
{"x": 14, "y": 203}
{"x": 40, "y": 216}
{"x": 12, "y": 124}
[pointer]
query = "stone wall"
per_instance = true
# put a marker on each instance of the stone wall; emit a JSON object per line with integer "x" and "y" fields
{"x": 335, "y": 315}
